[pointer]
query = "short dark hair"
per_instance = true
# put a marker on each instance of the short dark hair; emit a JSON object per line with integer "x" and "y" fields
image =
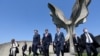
{"x": 36, "y": 30}
{"x": 46, "y": 29}
{"x": 57, "y": 27}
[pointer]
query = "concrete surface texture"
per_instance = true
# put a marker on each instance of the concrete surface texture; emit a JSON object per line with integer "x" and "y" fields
{"x": 4, "y": 48}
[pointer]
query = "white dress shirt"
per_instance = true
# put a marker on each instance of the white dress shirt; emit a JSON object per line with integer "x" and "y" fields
{"x": 88, "y": 38}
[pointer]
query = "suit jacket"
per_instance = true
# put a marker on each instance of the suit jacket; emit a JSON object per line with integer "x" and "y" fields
{"x": 60, "y": 42}
{"x": 83, "y": 39}
{"x": 36, "y": 39}
{"x": 47, "y": 40}
{"x": 24, "y": 48}
{"x": 76, "y": 41}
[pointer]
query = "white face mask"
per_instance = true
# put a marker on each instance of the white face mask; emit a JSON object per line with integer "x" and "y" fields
{"x": 86, "y": 30}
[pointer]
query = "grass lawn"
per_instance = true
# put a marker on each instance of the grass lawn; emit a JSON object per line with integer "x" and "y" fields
{"x": 84, "y": 54}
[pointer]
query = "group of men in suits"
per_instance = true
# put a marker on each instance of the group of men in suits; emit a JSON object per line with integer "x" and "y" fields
{"x": 86, "y": 41}
{"x": 47, "y": 40}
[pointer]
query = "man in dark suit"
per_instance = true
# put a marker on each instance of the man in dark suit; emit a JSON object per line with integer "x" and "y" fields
{"x": 76, "y": 41}
{"x": 89, "y": 42}
{"x": 59, "y": 42}
{"x": 46, "y": 40}
{"x": 24, "y": 48}
{"x": 36, "y": 42}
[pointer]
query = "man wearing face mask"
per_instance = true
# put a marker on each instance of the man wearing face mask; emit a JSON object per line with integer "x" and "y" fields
{"x": 89, "y": 42}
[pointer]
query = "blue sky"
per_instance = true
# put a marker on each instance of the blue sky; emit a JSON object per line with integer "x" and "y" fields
{"x": 18, "y": 18}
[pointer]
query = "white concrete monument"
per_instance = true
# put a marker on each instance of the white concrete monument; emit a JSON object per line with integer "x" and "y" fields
{"x": 78, "y": 16}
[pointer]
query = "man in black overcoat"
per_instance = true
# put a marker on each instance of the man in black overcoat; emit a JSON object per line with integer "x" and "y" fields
{"x": 89, "y": 42}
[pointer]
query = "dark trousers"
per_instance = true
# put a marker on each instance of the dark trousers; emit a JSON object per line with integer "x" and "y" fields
{"x": 90, "y": 48}
{"x": 78, "y": 50}
{"x": 46, "y": 51}
{"x": 81, "y": 50}
{"x": 29, "y": 52}
{"x": 58, "y": 50}
{"x": 35, "y": 50}
{"x": 24, "y": 53}
{"x": 62, "y": 52}
{"x": 41, "y": 49}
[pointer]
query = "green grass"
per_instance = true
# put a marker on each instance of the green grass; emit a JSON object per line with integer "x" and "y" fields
{"x": 84, "y": 54}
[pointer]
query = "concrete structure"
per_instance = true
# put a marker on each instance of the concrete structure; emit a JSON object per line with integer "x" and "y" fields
{"x": 4, "y": 48}
{"x": 78, "y": 16}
